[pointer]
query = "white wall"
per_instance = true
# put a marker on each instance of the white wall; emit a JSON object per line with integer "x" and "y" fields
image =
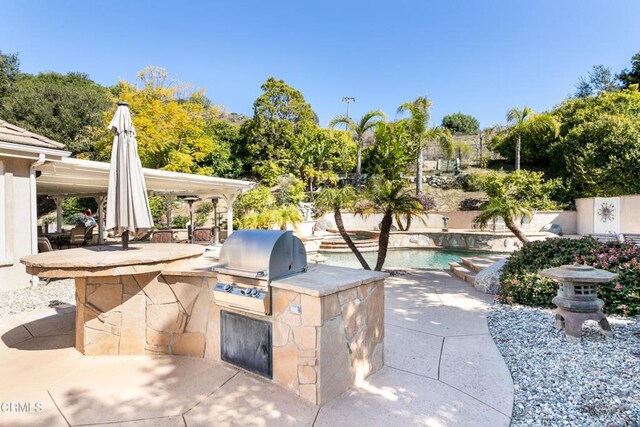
{"x": 461, "y": 220}
{"x": 17, "y": 222}
{"x": 629, "y": 214}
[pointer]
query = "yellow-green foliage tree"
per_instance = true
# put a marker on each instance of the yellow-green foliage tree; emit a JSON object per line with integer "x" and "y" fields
{"x": 170, "y": 121}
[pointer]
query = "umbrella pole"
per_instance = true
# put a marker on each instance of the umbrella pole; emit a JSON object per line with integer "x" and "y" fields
{"x": 125, "y": 240}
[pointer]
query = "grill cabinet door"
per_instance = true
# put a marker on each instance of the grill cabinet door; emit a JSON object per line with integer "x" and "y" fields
{"x": 246, "y": 342}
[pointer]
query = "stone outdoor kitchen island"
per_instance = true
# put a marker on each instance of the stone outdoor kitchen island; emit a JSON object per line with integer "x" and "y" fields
{"x": 326, "y": 325}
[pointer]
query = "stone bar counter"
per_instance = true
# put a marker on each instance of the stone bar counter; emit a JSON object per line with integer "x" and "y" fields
{"x": 115, "y": 291}
{"x": 327, "y": 323}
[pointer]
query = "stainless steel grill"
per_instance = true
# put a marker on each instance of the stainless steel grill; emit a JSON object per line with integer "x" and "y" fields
{"x": 249, "y": 261}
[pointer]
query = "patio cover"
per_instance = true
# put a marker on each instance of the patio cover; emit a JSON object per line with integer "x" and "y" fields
{"x": 85, "y": 178}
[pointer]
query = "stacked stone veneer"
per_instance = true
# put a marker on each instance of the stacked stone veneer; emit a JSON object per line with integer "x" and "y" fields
{"x": 142, "y": 314}
{"x": 476, "y": 240}
{"x": 321, "y": 344}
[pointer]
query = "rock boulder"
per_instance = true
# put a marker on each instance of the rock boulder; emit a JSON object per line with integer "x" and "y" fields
{"x": 488, "y": 280}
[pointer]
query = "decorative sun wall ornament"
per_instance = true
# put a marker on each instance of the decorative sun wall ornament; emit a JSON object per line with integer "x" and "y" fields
{"x": 606, "y": 212}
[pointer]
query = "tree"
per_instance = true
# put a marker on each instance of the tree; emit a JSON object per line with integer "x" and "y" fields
{"x": 389, "y": 155}
{"x": 173, "y": 125}
{"x": 631, "y": 76}
{"x": 66, "y": 108}
{"x": 461, "y": 124}
{"x": 391, "y": 198}
{"x": 419, "y": 110}
{"x": 323, "y": 154}
{"x": 600, "y": 79}
{"x": 526, "y": 119}
{"x": 598, "y": 152}
{"x": 358, "y": 129}
{"x": 273, "y": 137}
{"x": 334, "y": 200}
{"x": 510, "y": 210}
{"x": 9, "y": 70}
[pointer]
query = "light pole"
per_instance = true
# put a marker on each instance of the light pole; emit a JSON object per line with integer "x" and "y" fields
{"x": 348, "y": 100}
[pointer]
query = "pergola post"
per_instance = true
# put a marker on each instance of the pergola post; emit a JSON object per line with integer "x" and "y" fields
{"x": 168, "y": 202}
{"x": 59, "y": 200}
{"x": 102, "y": 201}
{"x": 229, "y": 198}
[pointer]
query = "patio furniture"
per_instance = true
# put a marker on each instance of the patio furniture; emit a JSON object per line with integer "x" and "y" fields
{"x": 202, "y": 236}
{"x": 77, "y": 237}
{"x": 58, "y": 239}
{"x": 633, "y": 237}
{"x": 144, "y": 236}
{"x": 162, "y": 236}
{"x": 44, "y": 245}
{"x": 606, "y": 237}
{"x": 88, "y": 234}
{"x": 448, "y": 166}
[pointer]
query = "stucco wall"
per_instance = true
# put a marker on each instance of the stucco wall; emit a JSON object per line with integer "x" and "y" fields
{"x": 462, "y": 220}
{"x": 629, "y": 214}
{"x": 584, "y": 217}
{"x": 17, "y": 205}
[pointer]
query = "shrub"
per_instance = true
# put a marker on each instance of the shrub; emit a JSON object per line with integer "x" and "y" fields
{"x": 528, "y": 188}
{"x": 520, "y": 282}
{"x": 428, "y": 202}
{"x": 475, "y": 181}
{"x": 203, "y": 212}
{"x": 180, "y": 221}
{"x": 158, "y": 208}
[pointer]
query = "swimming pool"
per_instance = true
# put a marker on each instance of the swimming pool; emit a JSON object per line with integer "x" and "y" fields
{"x": 403, "y": 258}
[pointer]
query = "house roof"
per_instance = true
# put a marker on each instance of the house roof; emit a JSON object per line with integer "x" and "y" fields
{"x": 14, "y": 134}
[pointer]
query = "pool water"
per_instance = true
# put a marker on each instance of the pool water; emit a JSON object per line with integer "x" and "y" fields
{"x": 402, "y": 258}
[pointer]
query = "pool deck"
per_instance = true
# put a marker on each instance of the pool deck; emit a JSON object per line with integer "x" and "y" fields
{"x": 442, "y": 368}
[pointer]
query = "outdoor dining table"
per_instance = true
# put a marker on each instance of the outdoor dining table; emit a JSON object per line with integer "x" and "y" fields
{"x": 58, "y": 238}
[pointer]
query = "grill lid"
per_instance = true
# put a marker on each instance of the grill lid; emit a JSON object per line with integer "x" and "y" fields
{"x": 262, "y": 254}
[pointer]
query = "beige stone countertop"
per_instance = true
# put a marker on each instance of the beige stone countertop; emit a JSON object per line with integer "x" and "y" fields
{"x": 108, "y": 260}
{"x": 321, "y": 280}
{"x": 196, "y": 267}
{"x": 112, "y": 256}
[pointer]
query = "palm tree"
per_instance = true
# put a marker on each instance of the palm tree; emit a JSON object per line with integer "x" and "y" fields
{"x": 391, "y": 198}
{"x": 419, "y": 110}
{"x": 333, "y": 200}
{"x": 358, "y": 129}
{"x": 288, "y": 214}
{"x": 507, "y": 208}
{"x": 526, "y": 119}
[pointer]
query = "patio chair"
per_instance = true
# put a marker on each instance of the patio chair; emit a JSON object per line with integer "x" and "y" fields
{"x": 76, "y": 238}
{"x": 88, "y": 234}
{"x": 632, "y": 237}
{"x": 44, "y": 245}
{"x": 162, "y": 236}
{"x": 202, "y": 236}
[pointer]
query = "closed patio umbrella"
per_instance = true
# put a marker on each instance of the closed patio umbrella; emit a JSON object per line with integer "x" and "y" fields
{"x": 128, "y": 212}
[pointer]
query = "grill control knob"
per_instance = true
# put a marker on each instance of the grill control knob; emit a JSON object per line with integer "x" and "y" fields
{"x": 254, "y": 292}
{"x": 228, "y": 288}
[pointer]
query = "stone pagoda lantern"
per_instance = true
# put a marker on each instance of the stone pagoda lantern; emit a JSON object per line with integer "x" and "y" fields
{"x": 577, "y": 298}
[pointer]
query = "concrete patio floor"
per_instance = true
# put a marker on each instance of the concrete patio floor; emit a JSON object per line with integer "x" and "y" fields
{"x": 441, "y": 369}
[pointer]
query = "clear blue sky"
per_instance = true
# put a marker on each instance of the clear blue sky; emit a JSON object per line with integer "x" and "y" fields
{"x": 478, "y": 57}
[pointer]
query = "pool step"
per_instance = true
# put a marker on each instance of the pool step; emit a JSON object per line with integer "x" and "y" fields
{"x": 478, "y": 264}
{"x": 463, "y": 272}
{"x": 339, "y": 245}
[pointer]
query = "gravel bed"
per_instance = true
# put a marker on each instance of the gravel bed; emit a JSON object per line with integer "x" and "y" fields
{"x": 27, "y": 299}
{"x": 592, "y": 383}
